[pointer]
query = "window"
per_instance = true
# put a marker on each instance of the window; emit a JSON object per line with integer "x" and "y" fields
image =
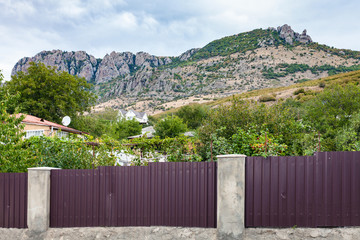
{"x": 31, "y": 133}
{"x": 62, "y": 134}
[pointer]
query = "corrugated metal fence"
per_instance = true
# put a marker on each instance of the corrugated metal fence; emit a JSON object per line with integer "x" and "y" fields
{"x": 13, "y": 200}
{"x": 161, "y": 194}
{"x": 307, "y": 191}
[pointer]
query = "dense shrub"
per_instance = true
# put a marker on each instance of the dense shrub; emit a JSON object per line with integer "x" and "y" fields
{"x": 301, "y": 90}
{"x": 267, "y": 98}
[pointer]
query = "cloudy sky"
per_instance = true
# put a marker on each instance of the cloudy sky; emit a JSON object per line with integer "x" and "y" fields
{"x": 162, "y": 27}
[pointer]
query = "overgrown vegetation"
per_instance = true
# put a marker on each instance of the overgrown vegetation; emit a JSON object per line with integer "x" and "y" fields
{"x": 292, "y": 127}
{"x": 238, "y": 43}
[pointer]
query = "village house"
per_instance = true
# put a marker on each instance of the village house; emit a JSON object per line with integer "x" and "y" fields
{"x": 35, "y": 126}
{"x": 141, "y": 117}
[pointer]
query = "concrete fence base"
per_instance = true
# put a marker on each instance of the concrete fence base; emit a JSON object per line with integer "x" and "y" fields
{"x": 168, "y": 233}
{"x": 128, "y": 233}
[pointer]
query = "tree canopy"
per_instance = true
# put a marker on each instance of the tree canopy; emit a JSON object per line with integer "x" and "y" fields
{"x": 49, "y": 94}
{"x": 97, "y": 124}
{"x": 125, "y": 128}
{"x": 193, "y": 115}
{"x": 172, "y": 126}
{"x": 11, "y": 133}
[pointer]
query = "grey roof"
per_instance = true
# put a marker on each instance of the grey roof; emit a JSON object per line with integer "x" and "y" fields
{"x": 137, "y": 114}
{"x": 123, "y": 112}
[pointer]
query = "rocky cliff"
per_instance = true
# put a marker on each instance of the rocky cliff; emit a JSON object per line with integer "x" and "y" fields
{"x": 96, "y": 70}
{"x": 242, "y": 62}
{"x": 116, "y": 64}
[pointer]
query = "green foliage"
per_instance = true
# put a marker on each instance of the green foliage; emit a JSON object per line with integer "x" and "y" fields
{"x": 126, "y": 128}
{"x": 299, "y": 125}
{"x": 152, "y": 120}
{"x": 176, "y": 149}
{"x": 12, "y": 152}
{"x": 171, "y": 127}
{"x": 284, "y": 69}
{"x": 300, "y": 90}
{"x": 177, "y": 76}
{"x": 230, "y": 116}
{"x": 333, "y": 107}
{"x": 237, "y": 43}
{"x": 348, "y": 137}
{"x": 332, "y": 110}
{"x": 254, "y": 143}
{"x": 302, "y": 80}
{"x": 267, "y": 98}
{"x": 279, "y": 120}
{"x": 51, "y": 95}
{"x": 69, "y": 154}
{"x": 193, "y": 115}
{"x": 345, "y": 53}
{"x": 270, "y": 74}
{"x": 97, "y": 124}
{"x": 17, "y": 154}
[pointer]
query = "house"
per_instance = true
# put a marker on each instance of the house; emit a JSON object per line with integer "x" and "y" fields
{"x": 35, "y": 126}
{"x": 141, "y": 117}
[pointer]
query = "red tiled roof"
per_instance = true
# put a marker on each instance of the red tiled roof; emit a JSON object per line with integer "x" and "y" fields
{"x": 39, "y": 121}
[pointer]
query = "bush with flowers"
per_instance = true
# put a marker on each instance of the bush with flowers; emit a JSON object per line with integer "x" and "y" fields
{"x": 257, "y": 143}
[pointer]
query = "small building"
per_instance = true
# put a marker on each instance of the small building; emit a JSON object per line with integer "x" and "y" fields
{"x": 141, "y": 117}
{"x": 35, "y": 126}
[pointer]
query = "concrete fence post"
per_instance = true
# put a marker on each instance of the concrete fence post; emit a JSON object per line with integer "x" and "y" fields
{"x": 38, "y": 213}
{"x": 231, "y": 196}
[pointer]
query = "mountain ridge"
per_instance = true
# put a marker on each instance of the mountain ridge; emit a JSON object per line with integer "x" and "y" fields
{"x": 241, "y": 62}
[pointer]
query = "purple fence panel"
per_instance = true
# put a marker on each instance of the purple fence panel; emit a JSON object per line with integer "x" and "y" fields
{"x": 13, "y": 200}
{"x": 161, "y": 194}
{"x": 305, "y": 191}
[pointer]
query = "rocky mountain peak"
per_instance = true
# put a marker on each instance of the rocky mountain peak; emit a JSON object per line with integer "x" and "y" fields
{"x": 186, "y": 55}
{"x": 290, "y": 35}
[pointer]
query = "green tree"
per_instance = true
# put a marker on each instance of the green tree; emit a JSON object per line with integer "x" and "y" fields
{"x": 172, "y": 126}
{"x": 13, "y": 156}
{"x": 125, "y": 128}
{"x": 348, "y": 137}
{"x": 97, "y": 124}
{"x": 193, "y": 115}
{"x": 331, "y": 110}
{"x": 49, "y": 94}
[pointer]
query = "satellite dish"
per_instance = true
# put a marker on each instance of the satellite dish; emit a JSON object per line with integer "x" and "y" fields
{"x": 66, "y": 120}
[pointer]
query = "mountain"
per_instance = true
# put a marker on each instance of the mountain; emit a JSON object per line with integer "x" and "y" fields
{"x": 252, "y": 60}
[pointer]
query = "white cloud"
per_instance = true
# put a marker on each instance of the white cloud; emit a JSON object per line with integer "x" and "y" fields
{"x": 161, "y": 27}
{"x": 70, "y": 8}
{"x": 124, "y": 20}
{"x": 17, "y": 9}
